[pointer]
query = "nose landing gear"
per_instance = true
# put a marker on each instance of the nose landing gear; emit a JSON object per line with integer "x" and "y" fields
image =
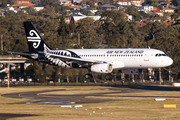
{"x": 88, "y": 76}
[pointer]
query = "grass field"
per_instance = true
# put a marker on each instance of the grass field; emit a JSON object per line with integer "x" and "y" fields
{"x": 125, "y": 108}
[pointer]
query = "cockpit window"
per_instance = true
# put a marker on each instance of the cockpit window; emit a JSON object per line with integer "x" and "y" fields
{"x": 160, "y": 54}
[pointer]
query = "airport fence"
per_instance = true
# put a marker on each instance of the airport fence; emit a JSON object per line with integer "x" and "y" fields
{"x": 79, "y": 80}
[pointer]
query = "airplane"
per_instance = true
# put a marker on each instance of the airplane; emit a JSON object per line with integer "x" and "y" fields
{"x": 128, "y": 60}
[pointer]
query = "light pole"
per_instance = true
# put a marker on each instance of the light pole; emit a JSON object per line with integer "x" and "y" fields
{"x": 79, "y": 40}
{"x": 2, "y": 42}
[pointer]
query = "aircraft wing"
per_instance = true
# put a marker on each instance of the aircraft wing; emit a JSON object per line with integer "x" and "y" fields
{"x": 75, "y": 59}
{"x": 32, "y": 55}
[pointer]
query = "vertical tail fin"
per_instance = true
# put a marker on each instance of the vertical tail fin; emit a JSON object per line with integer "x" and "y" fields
{"x": 34, "y": 39}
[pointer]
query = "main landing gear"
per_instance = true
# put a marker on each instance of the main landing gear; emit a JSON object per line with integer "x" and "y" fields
{"x": 90, "y": 76}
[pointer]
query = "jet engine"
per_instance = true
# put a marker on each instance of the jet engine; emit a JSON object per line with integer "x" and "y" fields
{"x": 1, "y": 65}
{"x": 102, "y": 68}
{"x": 132, "y": 71}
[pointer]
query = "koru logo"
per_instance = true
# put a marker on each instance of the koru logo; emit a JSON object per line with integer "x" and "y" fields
{"x": 34, "y": 38}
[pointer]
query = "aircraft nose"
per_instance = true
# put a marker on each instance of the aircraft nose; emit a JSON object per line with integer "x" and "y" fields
{"x": 169, "y": 61}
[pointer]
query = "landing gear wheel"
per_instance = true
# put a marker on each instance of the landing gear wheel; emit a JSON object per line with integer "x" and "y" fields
{"x": 108, "y": 77}
{"x": 88, "y": 76}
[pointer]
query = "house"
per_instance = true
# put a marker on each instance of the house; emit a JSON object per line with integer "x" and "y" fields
{"x": 75, "y": 17}
{"x": 123, "y": 2}
{"x": 155, "y": 8}
{"x": 168, "y": 22}
{"x": 163, "y": 3}
{"x": 129, "y": 17}
{"x": 168, "y": 16}
{"x": 146, "y": 9}
{"x": 136, "y": 2}
{"x": 120, "y": 6}
{"x": 2, "y": 12}
{"x": 141, "y": 24}
{"x": 76, "y": 7}
{"x": 157, "y": 12}
{"x": 76, "y": 1}
{"x": 68, "y": 4}
{"x": 12, "y": 9}
{"x": 38, "y": 7}
{"x": 23, "y": 3}
{"x": 168, "y": 10}
{"x": 61, "y": 2}
{"x": 108, "y": 7}
{"x": 155, "y": 19}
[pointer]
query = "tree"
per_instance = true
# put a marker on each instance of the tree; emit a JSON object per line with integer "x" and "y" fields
{"x": 165, "y": 38}
{"x": 118, "y": 31}
{"x": 48, "y": 2}
{"x": 175, "y": 16}
{"x": 176, "y": 2}
{"x": 131, "y": 10}
{"x": 143, "y": 14}
{"x": 149, "y": 2}
{"x": 64, "y": 31}
{"x": 36, "y": 1}
{"x": 87, "y": 28}
{"x": 30, "y": 10}
{"x": 86, "y": 12}
{"x": 4, "y": 3}
{"x": 10, "y": 2}
{"x": 10, "y": 13}
{"x": 49, "y": 13}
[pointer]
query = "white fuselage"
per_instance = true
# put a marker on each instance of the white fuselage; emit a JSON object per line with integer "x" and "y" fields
{"x": 127, "y": 58}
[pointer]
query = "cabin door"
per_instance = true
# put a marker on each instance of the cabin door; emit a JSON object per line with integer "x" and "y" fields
{"x": 146, "y": 55}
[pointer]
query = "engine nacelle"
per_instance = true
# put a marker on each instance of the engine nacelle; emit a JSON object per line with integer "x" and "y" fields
{"x": 102, "y": 68}
{"x": 1, "y": 65}
{"x": 132, "y": 71}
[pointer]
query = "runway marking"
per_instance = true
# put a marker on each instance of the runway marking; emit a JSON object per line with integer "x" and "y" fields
{"x": 38, "y": 94}
{"x": 53, "y": 103}
{"x": 19, "y": 95}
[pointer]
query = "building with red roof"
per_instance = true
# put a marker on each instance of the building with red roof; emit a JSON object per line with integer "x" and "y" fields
{"x": 68, "y": 4}
{"x": 19, "y": 3}
{"x": 141, "y": 24}
{"x": 157, "y": 12}
{"x": 168, "y": 22}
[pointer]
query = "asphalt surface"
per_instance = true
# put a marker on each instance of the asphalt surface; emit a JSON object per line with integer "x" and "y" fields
{"x": 78, "y": 98}
{"x": 4, "y": 116}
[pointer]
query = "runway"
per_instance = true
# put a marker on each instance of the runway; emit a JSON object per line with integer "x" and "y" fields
{"x": 4, "y": 116}
{"x": 78, "y": 98}
{"x": 81, "y": 98}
